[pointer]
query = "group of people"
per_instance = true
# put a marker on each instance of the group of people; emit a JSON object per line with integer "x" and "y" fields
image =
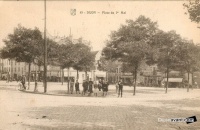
{"x": 90, "y": 87}
{"x": 96, "y": 87}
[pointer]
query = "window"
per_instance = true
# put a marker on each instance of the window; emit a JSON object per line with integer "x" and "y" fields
{"x": 19, "y": 69}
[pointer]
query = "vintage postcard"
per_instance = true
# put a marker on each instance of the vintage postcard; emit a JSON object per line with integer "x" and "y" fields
{"x": 99, "y": 65}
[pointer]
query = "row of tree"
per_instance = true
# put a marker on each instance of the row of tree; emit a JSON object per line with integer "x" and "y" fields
{"x": 27, "y": 45}
{"x": 141, "y": 40}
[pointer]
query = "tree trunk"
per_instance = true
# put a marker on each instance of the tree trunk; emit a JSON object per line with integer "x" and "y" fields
{"x": 36, "y": 85}
{"x": 39, "y": 75}
{"x": 62, "y": 76}
{"x": 77, "y": 76}
{"x": 29, "y": 75}
{"x": 106, "y": 75}
{"x": 188, "y": 82}
{"x": 135, "y": 81}
{"x": 192, "y": 79}
{"x": 167, "y": 77}
{"x": 68, "y": 81}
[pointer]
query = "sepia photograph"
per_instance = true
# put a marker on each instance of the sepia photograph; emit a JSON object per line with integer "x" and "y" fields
{"x": 99, "y": 65}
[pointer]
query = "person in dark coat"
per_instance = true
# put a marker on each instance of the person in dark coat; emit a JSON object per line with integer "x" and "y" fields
{"x": 90, "y": 86}
{"x": 100, "y": 85}
{"x": 84, "y": 87}
{"x": 105, "y": 88}
{"x": 120, "y": 84}
{"x": 77, "y": 87}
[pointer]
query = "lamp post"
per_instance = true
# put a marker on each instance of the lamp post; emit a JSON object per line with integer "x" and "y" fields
{"x": 45, "y": 50}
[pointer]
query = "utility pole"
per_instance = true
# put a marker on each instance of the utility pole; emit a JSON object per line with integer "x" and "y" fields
{"x": 45, "y": 51}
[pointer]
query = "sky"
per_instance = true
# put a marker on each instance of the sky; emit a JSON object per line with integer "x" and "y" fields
{"x": 95, "y": 27}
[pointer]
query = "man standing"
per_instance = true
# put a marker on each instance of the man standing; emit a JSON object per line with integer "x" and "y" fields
{"x": 120, "y": 84}
{"x": 105, "y": 88}
{"x": 90, "y": 86}
{"x": 77, "y": 87}
{"x": 85, "y": 87}
{"x": 100, "y": 85}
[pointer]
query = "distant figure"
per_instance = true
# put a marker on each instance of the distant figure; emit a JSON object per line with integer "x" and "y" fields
{"x": 120, "y": 83}
{"x": 23, "y": 81}
{"x": 95, "y": 88}
{"x": 100, "y": 85}
{"x": 105, "y": 88}
{"x": 77, "y": 87}
{"x": 117, "y": 87}
{"x": 90, "y": 86}
{"x": 72, "y": 85}
{"x": 85, "y": 87}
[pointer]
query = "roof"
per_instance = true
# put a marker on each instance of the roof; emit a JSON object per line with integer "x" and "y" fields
{"x": 175, "y": 80}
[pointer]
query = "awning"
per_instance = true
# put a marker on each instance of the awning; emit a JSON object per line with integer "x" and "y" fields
{"x": 174, "y": 80}
{"x": 100, "y": 75}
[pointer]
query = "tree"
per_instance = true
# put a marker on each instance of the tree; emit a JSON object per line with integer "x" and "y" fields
{"x": 193, "y": 8}
{"x": 23, "y": 46}
{"x": 188, "y": 54}
{"x": 131, "y": 43}
{"x": 167, "y": 58}
{"x": 61, "y": 52}
{"x": 66, "y": 58}
{"x": 86, "y": 63}
{"x": 81, "y": 52}
{"x": 107, "y": 65}
{"x": 52, "y": 54}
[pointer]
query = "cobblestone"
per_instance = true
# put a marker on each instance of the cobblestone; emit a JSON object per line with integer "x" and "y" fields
{"x": 62, "y": 111}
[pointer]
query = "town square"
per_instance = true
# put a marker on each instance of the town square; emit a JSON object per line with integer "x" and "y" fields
{"x": 99, "y": 65}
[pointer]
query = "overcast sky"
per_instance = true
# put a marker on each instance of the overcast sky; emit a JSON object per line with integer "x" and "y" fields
{"x": 94, "y": 27}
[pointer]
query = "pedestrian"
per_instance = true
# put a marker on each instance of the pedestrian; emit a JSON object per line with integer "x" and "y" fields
{"x": 77, "y": 87}
{"x": 100, "y": 85}
{"x": 85, "y": 87}
{"x": 90, "y": 87}
{"x": 83, "y": 84}
{"x": 104, "y": 88}
{"x": 117, "y": 87}
{"x": 72, "y": 85}
{"x": 23, "y": 81}
{"x": 120, "y": 83}
{"x": 95, "y": 88}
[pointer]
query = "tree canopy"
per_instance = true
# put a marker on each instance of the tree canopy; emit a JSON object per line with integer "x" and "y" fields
{"x": 23, "y": 45}
{"x": 131, "y": 43}
{"x": 193, "y": 8}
